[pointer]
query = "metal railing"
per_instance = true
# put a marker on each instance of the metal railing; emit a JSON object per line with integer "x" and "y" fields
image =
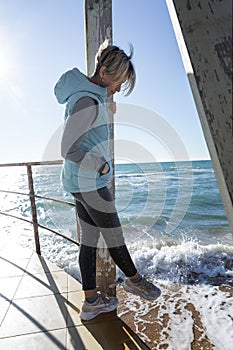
{"x": 32, "y": 197}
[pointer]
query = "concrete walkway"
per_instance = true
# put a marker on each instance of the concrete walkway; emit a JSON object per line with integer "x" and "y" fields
{"x": 39, "y": 309}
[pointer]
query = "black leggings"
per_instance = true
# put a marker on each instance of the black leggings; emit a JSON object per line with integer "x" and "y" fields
{"x": 97, "y": 213}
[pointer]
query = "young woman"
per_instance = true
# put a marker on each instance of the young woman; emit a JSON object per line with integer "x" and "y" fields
{"x": 87, "y": 172}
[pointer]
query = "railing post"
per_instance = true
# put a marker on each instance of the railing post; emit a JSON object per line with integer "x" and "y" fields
{"x": 33, "y": 208}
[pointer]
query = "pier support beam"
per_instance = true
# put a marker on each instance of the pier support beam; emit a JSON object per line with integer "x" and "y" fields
{"x": 98, "y": 16}
{"x": 204, "y": 34}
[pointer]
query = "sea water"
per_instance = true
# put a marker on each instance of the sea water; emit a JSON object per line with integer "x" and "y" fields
{"x": 175, "y": 227}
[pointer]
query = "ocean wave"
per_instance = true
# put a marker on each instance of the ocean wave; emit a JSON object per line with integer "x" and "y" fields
{"x": 136, "y": 175}
{"x": 187, "y": 262}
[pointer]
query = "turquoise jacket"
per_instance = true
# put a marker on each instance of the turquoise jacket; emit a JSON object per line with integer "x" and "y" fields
{"x": 72, "y": 86}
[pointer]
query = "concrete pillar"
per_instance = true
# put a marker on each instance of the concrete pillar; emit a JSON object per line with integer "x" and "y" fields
{"x": 204, "y": 34}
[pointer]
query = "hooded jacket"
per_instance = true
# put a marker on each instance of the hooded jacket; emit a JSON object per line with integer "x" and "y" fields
{"x": 84, "y": 176}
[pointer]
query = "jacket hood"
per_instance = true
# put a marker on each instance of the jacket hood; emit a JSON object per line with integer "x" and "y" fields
{"x": 74, "y": 81}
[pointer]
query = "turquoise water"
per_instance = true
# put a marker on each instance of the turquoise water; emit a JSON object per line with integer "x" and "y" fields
{"x": 189, "y": 189}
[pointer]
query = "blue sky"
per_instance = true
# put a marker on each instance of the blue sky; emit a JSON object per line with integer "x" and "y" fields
{"x": 39, "y": 40}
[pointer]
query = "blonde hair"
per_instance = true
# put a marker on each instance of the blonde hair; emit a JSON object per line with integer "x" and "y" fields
{"x": 117, "y": 63}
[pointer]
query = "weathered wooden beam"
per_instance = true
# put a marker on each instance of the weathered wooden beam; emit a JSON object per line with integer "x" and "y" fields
{"x": 98, "y": 17}
{"x": 204, "y": 34}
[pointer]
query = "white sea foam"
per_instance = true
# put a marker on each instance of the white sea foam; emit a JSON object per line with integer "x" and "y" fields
{"x": 183, "y": 264}
{"x": 214, "y": 307}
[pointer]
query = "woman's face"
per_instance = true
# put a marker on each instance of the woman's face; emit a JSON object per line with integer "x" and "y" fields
{"x": 111, "y": 83}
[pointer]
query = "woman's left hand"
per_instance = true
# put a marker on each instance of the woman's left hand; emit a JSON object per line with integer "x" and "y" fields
{"x": 106, "y": 169}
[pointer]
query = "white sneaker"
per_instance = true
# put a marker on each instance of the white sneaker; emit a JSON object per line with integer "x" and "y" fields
{"x": 144, "y": 288}
{"x": 101, "y": 305}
